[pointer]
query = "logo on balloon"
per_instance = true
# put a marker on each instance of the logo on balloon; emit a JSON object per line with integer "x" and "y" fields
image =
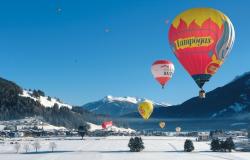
{"x": 191, "y": 42}
{"x": 212, "y": 68}
{"x": 141, "y": 110}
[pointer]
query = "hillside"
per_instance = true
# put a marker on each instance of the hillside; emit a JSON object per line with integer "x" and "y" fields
{"x": 16, "y": 103}
{"x": 231, "y": 100}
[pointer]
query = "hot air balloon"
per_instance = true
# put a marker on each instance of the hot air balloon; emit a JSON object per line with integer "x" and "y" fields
{"x": 107, "y": 124}
{"x": 162, "y": 124}
{"x": 201, "y": 39}
{"x": 145, "y": 109}
{"x": 162, "y": 71}
{"x": 178, "y": 130}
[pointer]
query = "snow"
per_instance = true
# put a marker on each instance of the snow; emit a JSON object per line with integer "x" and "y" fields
{"x": 244, "y": 97}
{"x": 113, "y": 148}
{"x": 133, "y": 100}
{"x": 214, "y": 115}
{"x": 239, "y": 124}
{"x": 1, "y": 127}
{"x": 30, "y": 122}
{"x": 44, "y": 100}
{"x": 94, "y": 127}
{"x": 237, "y": 107}
{"x": 49, "y": 127}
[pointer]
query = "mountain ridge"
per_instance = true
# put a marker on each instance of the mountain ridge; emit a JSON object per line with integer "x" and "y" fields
{"x": 230, "y": 100}
{"x": 117, "y": 106}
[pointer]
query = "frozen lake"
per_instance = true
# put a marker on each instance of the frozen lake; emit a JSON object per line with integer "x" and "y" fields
{"x": 113, "y": 148}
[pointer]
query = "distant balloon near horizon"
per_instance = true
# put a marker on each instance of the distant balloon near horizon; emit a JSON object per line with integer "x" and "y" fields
{"x": 59, "y": 10}
{"x": 162, "y": 124}
{"x": 166, "y": 21}
{"x": 201, "y": 39}
{"x": 145, "y": 109}
{"x": 162, "y": 71}
{"x": 178, "y": 129}
{"x": 107, "y": 30}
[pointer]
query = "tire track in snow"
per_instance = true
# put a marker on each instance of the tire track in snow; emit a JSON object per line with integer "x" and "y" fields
{"x": 172, "y": 146}
{"x": 222, "y": 157}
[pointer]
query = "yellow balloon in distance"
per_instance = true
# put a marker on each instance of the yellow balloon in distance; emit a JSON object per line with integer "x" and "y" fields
{"x": 162, "y": 124}
{"x": 145, "y": 109}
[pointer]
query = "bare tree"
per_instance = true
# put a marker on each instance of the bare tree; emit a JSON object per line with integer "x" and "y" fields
{"x": 26, "y": 147}
{"x": 52, "y": 146}
{"x": 36, "y": 145}
{"x": 17, "y": 147}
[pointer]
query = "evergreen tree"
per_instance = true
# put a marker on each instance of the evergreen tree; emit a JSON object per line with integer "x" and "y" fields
{"x": 229, "y": 144}
{"x": 136, "y": 144}
{"x": 215, "y": 145}
{"x": 41, "y": 93}
{"x": 188, "y": 146}
{"x": 223, "y": 146}
{"x": 49, "y": 98}
{"x": 83, "y": 130}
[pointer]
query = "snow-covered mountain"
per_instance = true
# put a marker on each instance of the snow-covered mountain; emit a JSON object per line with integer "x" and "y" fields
{"x": 45, "y": 101}
{"x": 17, "y": 103}
{"x": 117, "y": 106}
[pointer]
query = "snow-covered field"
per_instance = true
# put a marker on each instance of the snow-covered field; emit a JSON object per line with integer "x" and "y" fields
{"x": 115, "y": 148}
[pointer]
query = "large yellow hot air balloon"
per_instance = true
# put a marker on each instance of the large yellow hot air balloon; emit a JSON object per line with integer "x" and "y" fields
{"x": 162, "y": 124}
{"x": 201, "y": 39}
{"x": 145, "y": 109}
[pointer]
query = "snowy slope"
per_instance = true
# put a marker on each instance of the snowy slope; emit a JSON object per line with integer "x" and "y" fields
{"x": 44, "y": 100}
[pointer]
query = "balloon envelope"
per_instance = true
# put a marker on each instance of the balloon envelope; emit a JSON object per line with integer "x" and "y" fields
{"x": 162, "y": 124}
{"x": 201, "y": 39}
{"x": 178, "y": 129}
{"x": 162, "y": 71}
{"x": 106, "y": 124}
{"x": 145, "y": 109}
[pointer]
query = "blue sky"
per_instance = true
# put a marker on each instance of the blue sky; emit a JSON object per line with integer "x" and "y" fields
{"x": 70, "y": 56}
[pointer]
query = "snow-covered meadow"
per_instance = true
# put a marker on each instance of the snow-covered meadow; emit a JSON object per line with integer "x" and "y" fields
{"x": 113, "y": 148}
